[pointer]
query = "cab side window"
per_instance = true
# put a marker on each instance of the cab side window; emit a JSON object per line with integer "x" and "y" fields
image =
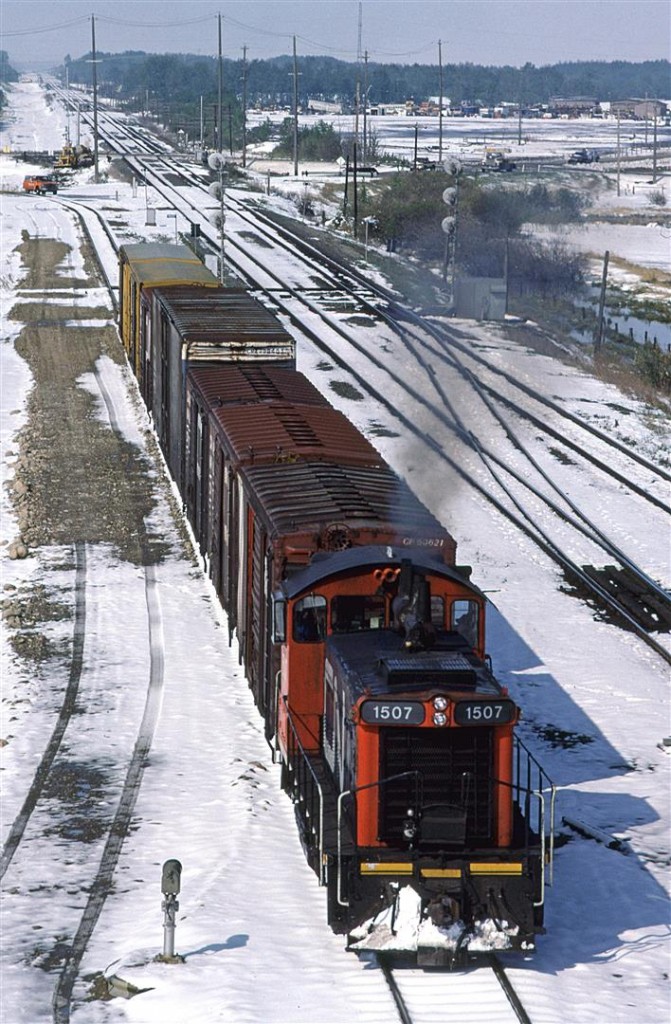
{"x": 309, "y": 619}
{"x": 465, "y": 618}
{"x": 356, "y": 613}
{"x": 438, "y": 611}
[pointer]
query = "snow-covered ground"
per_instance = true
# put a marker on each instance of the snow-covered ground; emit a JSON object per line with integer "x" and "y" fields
{"x": 251, "y": 924}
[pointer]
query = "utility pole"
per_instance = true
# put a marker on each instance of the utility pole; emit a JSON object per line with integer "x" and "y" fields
{"x": 220, "y": 92}
{"x": 598, "y": 338}
{"x": 365, "y": 107}
{"x": 94, "y": 62}
{"x": 618, "y": 152}
{"x": 295, "y": 111}
{"x": 67, "y": 109}
{"x": 244, "y": 106}
{"x": 654, "y": 144}
{"x": 358, "y": 76}
{"x": 355, "y": 196}
{"x": 519, "y": 110}
{"x": 440, "y": 102}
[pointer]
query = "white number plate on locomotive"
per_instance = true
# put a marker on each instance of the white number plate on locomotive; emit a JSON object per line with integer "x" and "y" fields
{"x": 392, "y": 712}
{"x": 491, "y": 712}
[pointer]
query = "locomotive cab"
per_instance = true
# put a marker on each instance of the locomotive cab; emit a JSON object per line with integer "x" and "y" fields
{"x": 360, "y": 592}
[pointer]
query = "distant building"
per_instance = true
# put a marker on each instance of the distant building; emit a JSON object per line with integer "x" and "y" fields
{"x": 386, "y": 109}
{"x": 324, "y": 107}
{"x": 638, "y": 109}
{"x": 573, "y": 106}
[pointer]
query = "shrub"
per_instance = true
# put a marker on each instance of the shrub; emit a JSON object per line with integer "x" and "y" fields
{"x": 321, "y": 142}
{"x": 654, "y": 365}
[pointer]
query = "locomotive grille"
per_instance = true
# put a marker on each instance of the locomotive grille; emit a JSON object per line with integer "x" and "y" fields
{"x": 455, "y": 769}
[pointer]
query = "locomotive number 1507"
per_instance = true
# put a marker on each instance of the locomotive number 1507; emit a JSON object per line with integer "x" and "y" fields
{"x": 494, "y": 712}
{"x": 392, "y": 712}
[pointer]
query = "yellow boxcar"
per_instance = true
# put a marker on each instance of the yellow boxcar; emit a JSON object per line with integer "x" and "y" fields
{"x": 152, "y": 265}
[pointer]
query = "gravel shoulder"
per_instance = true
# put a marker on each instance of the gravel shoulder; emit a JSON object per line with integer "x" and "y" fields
{"x": 76, "y": 480}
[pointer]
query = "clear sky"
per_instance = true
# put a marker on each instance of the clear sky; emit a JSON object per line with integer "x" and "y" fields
{"x": 38, "y": 34}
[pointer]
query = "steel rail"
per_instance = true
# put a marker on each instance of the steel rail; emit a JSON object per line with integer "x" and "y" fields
{"x": 388, "y": 972}
{"x": 449, "y": 335}
{"x": 507, "y": 987}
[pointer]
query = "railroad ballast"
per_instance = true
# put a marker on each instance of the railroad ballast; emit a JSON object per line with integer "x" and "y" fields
{"x": 363, "y": 641}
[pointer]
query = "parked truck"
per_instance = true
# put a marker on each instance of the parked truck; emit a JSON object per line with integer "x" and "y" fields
{"x": 584, "y": 156}
{"x": 39, "y": 184}
{"x": 496, "y": 160}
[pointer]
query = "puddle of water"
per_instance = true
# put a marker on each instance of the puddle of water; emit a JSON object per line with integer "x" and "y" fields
{"x": 626, "y": 325}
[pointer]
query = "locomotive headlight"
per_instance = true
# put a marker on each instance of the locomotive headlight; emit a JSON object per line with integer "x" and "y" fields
{"x": 440, "y": 703}
{"x": 439, "y": 718}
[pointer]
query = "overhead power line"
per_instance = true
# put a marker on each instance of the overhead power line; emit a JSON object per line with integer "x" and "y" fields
{"x": 47, "y": 28}
{"x": 320, "y": 46}
{"x": 156, "y": 24}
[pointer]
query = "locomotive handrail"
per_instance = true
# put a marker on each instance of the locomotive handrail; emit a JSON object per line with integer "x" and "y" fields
{"x": 316, "y": 784}
{"x": 352, "y": 792}
{"x": 544, "y": 783}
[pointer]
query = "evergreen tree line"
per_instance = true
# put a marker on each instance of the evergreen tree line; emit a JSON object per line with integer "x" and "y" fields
{"x": 185, "y": 78}
{"x": 7, "y": 74}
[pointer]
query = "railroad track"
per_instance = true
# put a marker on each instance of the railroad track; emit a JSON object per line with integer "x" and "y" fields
{"x": 75, "y": 761}
{"x": 632, "y": 596}
{"x": 67, "y": 709}
{"x": 629, "y": 606}
{"x": 479, "y": 995}
{"x": 101, "y": 885}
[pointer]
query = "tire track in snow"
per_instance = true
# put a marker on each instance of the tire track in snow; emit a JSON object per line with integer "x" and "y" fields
{"x": 66, "y": 711}
{"x": 102, "y": 884}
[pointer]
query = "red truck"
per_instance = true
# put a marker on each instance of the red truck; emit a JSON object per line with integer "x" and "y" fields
{"x": 40, "y": 184}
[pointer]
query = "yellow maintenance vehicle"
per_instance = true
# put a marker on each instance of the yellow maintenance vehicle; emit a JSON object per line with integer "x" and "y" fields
{"x": 72, "y": 157}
